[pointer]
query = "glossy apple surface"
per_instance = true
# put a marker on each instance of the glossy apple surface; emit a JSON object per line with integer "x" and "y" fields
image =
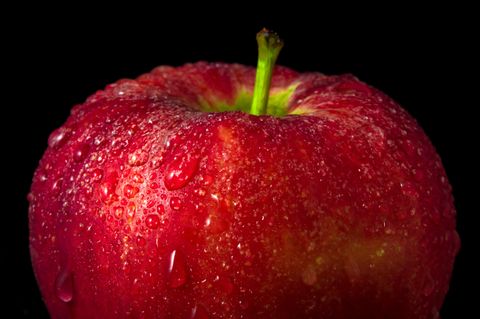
{"x": 161, "y": 197}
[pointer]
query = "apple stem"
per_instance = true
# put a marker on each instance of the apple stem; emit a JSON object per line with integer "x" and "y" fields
{"x": 269, "y": 46}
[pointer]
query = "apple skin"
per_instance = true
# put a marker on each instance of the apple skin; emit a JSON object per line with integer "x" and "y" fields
{"x": 143, "y": 206}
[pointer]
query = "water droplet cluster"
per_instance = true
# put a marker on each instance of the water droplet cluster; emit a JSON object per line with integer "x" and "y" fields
{"x": 216, "y": 215}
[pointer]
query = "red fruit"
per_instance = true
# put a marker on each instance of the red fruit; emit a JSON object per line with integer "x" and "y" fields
{"x": 161, "y": 197}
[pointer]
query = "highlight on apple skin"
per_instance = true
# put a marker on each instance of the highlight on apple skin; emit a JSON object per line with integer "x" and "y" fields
{"x": 214, "y": 190}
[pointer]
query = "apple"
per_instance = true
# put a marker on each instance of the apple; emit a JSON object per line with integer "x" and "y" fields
{"x": 219, "y": 191}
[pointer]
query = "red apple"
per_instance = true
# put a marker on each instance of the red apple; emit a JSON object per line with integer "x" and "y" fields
{"x": 188, "y": 193}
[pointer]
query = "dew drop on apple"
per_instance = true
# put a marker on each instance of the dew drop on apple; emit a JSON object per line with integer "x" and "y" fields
{"x": 131, "y": 210}
{"x": 57, "y": 185}
{"x": 175, "y": 203}
{"x": 108, "y": 187}
{"x": 80, "y": 152}
{"x": 107, "y": 190}
{"x": 160, "y": 209}
{"x": 177, "y": 270}
{"x": 207, "y": 180}
{"x": 97, "y": 174}
{"x": 98, "y": 140}
{"x": 118, "y": 212}
{"x": 137, "y": 178}
{"x": 181, "y": 171}
{"x": 130, "y": 191}
{"x": 152, "y": 221}
{"x": 156, "y": 162}
{"x": 137, "y": 158}
{"x": 199, "y": 312}
{"x": 141, "y": 241}
{"x": 64, "y": 286}
{"x": 57, "y": 138}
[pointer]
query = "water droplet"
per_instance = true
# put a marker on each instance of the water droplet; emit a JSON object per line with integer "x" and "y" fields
{"x": 141, "y": 241}
{"x": 118, "y": 211}
{"x": 177, "y": 270}
{"x": 100, "y": 158}
{"x": 130, "y": 191}
{"x": 97, "y": 174}
{"x": 160, "y": 209}
{"x": 137, "y": 158}
{"x": 57, "y": 138}
{"x": 57, "y": 185}
{"x": 64, "y": 286}
{"x": 118, "y": 144}
{"x": 214, "y": 197}
{"x": 151, "y": 203}
{"x": 80, "y": 152}
{"x": 175, "y": 203}
{"x": 133, "y": 129}
{"x": 107, "y": 191}
{"x": 207, "y": 180}
{"x": 131, "y": 210}
{"x": 98, "y": 140}
{"x": 180, "y": 172}
{"x": 152, "y": 221}
{"x": 156, "y": 162}
{"x": 199, "y": 312}
{"x": 208, "y": 221}
{"x": 137, "y": 178}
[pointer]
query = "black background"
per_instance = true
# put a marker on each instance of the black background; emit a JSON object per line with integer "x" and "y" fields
{"x": 56, "y": 57}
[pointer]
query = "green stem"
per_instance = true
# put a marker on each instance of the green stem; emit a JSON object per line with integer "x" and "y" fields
{"x": 269, "y": 46}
